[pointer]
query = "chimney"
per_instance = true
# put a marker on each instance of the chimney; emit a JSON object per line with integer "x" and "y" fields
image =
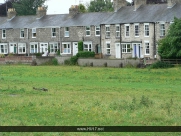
{"x": 41, "y": 11}
{"x": 171, "y": 3}
{"x": 138, "y": 3}
{"x": 11, "y": 13}
{"x": 117, "y": 4}
{"x": 73, "y": 10}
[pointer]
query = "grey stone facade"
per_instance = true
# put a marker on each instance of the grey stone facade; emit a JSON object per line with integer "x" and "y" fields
{"x": 117, "y": 30}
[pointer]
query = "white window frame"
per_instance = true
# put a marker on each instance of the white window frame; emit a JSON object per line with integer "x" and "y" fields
{"x": 33, "y": 32}
{"x": 147, "y": 47}
{"x": 3, "y": 33}
{"x": 88, "y": 30}
{"x": 22, "y": 33}
{"x": 34, "y": 47}
{"x": 162, "y": 29}
{"x": 23, "y": 47}
{"x": 87, "y": 46}
{"x": 125, "y": 48}
{"x": 66, "y": 32}
{"x": 108, "y": 48}
{"x": 67, "y": 49}
{"x": 97, "y": 30}
{"x": 53, "y": 47}
{"x": 53, "y": 32}
{"x": 108, "y": 34}
{"x": 117, "y": 30}
{"x": 146, "y": 29}
{"x": 136, "y": 29}
{"x": 3, "y": 48}
{"x": 127, "y": 31}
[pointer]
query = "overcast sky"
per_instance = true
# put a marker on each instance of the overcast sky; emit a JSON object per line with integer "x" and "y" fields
{"x": 60, "y": 6}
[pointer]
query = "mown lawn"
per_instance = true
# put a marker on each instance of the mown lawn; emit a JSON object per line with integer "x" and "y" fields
{"x": 89, "y": 96}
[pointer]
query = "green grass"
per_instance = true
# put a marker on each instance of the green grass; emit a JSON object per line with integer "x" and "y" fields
{"x": 89, "y": 96}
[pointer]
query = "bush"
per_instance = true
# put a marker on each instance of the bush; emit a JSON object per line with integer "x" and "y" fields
{"x": 160, "y": 64}
{"x": 80, "y": 46}
{"x": 85, "y": 54}
{"x": 38, "y": 54}
{"x": 53, "y": 61}
{"x": 2, "y": 56}
{"x": 58, "y": 52}
{"x": 73, "y": 60}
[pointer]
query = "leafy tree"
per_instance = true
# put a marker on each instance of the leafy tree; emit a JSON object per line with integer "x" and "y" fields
{"x": 170, "y": 46}
{"x": 27, "y": 7}
{"x": 100, "y": 6}
{"x": 82, "y": 8}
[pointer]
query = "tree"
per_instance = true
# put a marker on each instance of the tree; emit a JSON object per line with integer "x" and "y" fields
{"x": 27, "y": 7}
{"x": 100, "y": 6}
{"x": 170, "y": 46}
{"x": 82, "y": 8}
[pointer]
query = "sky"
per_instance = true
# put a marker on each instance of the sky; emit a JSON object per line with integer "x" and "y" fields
{"x": 61, "y": 6}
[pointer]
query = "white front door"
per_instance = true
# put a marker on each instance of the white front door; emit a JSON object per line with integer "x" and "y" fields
{"x": 13, "y": 48}
{"x": 118, "y": 50}
{"x": 75, "y": 48}
{"x": 43, "y": 47}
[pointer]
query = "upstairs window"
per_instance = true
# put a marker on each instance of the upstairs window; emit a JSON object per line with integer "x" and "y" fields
{"x": 107, "y": 31}
{"x": 53, "y": 32}
{"x": 146, "y": 29}
{"x": 97, "y": 30}
{"x": 4, "y": 34}
{"x": 162, "y": 29}
{"x": 34, "y": 33}
{"x": 87, "y": 30}
{"x": 126, "y": 30}
{"x": 22, "y": 33}
{"x": 66, "y": 32}
{"x": 136, "y": 30}
{"x": 117, "y": 30}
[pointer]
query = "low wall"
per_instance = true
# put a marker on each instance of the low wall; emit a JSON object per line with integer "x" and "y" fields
{"x": 61, "y": 59}
{"x": 108, "y": 62}
{"x": 18, "y": 59}
{"x": 41, "y": 60}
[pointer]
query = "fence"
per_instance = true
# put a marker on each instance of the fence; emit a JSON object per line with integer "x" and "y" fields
{"x": 172, "y": 61}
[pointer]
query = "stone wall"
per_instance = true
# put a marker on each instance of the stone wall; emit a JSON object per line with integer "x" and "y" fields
{"x": 108, "y": 62}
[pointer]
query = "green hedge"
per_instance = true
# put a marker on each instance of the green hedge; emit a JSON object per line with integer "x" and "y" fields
{"x": 160, "y": 64}
{"x": 80, "y": 46}
{"x": 85, "y": 54}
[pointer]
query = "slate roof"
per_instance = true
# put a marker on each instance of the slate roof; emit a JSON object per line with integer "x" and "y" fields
{"x": 145, "y": 13}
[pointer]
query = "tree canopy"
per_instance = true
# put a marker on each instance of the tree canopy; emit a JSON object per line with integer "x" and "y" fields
{"x": 27, "y": 7}
{"x": 100, "y": 6}
{"x": 82, "y": 8}
{"x": 170, "y": 46}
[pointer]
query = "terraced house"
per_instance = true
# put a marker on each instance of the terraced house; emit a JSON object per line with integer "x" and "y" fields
{"x": 129, "y": 31}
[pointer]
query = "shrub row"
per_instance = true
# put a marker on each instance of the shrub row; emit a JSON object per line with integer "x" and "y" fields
{"x": 160, "y": 64}
{"x": 85, "y": 54}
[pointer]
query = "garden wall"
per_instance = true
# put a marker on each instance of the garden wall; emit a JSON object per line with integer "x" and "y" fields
{"x": 109, "y": 62}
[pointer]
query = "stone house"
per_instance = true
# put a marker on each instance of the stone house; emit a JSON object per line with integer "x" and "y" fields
{"x": 129, "y": 31}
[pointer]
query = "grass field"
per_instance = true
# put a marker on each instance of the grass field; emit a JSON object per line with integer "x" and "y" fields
{"x": 89, "y": 96}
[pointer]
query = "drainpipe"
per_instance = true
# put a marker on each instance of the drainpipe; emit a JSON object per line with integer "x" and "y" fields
{"x": 154, "y": 40}
{"x": 100, "y": 40}
{"x": 59, "y": 39}
{"x": 121, "y": 40}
